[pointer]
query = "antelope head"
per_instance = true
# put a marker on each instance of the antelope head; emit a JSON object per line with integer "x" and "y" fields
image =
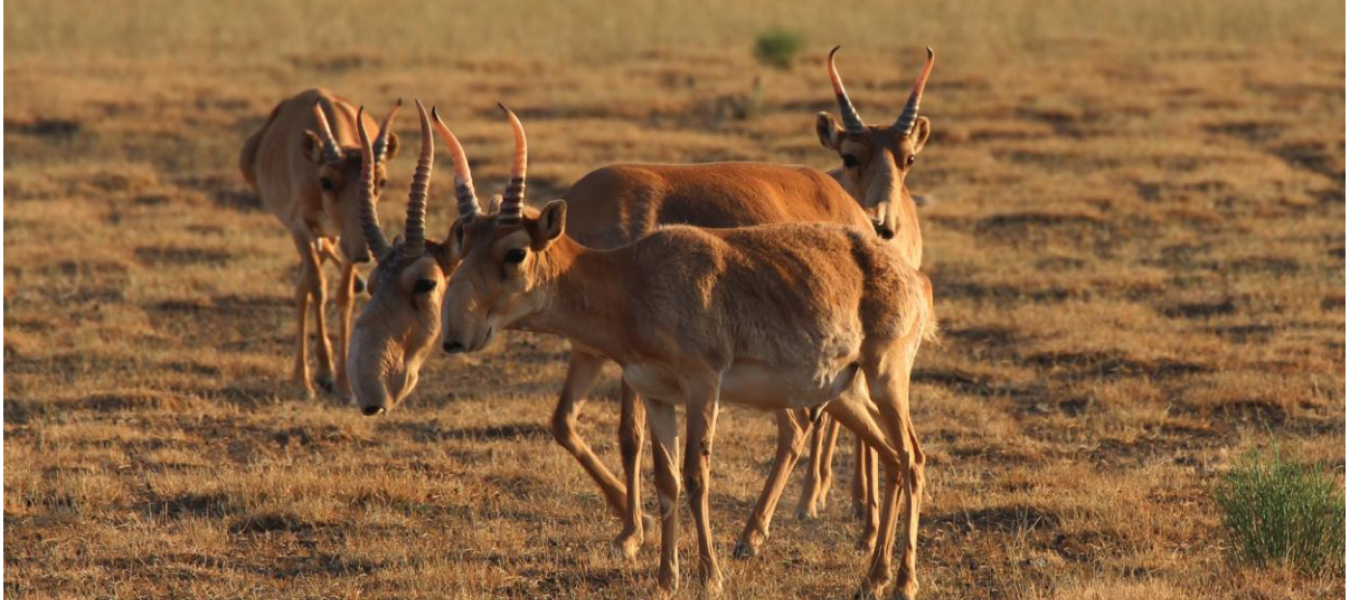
{"x": 338, "y": 171}
{"x": 877, "y": 158}
{"x": 400, "y": 323}
{"x": 504, "y": 260}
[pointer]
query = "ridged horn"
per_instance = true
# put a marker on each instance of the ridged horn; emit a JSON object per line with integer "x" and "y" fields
{"x": 332, "y": 153}
{"x": 414, "y": 232}
{"x": 382, "y": 141}
{"x": 852, "y": 122}
{"x": 370, "y": 221}
{"x": 465, "y": 197}
{"x": 513, "y": 197}
{"x": 905, "y": 123}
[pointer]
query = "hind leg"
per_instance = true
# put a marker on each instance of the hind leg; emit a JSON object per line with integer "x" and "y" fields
{"x": 825, "y": 468}
{"x": 701, "y": 401}
{"x": 792, "y": 426}
{"x": 632, "y": 424}
{"x": 662, "y": 423}
{"x": 887, "y": 367}
{"x": 807, "y": 503}
{"x": 859, "y": 483}
{"x": 859, "y": 414}
{"x": 866, "y": 506}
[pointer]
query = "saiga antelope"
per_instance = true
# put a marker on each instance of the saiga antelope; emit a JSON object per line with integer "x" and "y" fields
{"x": 616, "y": 205}
{"x": 876, "y": 160}
{"x": 399, "y": 325}
{"x": 304, "y": 163}
{"x": 778, "y": 317}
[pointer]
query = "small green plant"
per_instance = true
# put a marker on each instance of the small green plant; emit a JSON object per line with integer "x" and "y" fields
{"x": 777, "y": 47}
{"x": 1281, "y": 511}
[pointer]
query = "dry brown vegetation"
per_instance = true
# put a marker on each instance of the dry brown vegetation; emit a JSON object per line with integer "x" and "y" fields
{"x": 1138, "y": 253}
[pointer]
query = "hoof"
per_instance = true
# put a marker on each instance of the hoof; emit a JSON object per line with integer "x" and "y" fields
{"x": 302, "y": 391}
{"x": 712, "y": 587}
{"x": 326, "y": 383}
{"x": 870, "y": 591}
{"x": 807, "y": 514}
{"x": 667, "y": 585}
{"x": 627, "y": 545}
{"x": 907, "y": 591}
{"x": 746, "y": 548}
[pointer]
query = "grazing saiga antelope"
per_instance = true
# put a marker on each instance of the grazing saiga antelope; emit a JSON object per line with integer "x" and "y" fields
{"x": 777, "y": 317}
{"x": 610, "y": 207}
{"x": 303, "y": 163}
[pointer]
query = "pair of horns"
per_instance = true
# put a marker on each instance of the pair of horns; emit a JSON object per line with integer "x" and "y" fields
{"x": 414, "y": 232}
{"x": 904, "y": 124}
{"x": 513, "y": 197}
{"x": 332, "y": 153}
{"x": 414, "y": 244}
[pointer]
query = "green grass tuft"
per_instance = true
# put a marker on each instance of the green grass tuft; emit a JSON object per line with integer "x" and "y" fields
{"x": 1278, "y": 510}
{"x": 777, "y": 47}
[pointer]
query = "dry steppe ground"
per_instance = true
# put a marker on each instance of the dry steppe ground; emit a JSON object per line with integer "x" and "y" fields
{"x": 1137, "y": 249}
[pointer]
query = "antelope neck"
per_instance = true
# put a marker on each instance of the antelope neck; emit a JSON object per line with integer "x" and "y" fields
{"x": 584, "y": 297}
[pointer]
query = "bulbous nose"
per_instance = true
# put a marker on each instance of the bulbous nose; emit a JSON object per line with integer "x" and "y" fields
{"x": 371, "y": 411}
{"x": 452, "y": 347}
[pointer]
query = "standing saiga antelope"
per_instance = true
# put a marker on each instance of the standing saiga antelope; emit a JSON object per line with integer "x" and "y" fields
{"x": 876, "y": 161}
{"x": 614, "y": 206}
{"x": 400, "y": 324}
{"x": 777, "y": 317}
{"x": 304, "y": 164}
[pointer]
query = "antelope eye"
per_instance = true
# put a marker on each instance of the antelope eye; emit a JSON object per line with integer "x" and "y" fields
{"x": 326, "y": 183}
{"x": 850, "y": 161}
{"x": 384, "y": 182}
{"x": 515, "y": 255}
{"x": 423, "y": 286}
{"x": 909, "y": 161}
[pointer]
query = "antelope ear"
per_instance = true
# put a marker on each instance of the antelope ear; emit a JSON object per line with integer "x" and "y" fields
{"x": 551, "y": 222}
{"x": 391, "y": 150}
{"x": 495, "y": 204}
{"x": 829, "y": 131}
{"x": 454, "y": 241}
{"x": 922, "y": 129}
{"x": 312, "y": 145}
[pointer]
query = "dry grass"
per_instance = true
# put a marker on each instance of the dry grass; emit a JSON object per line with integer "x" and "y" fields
{"x": 1138, "y": 252}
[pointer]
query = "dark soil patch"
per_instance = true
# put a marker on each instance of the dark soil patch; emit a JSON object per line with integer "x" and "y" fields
{"x": 177, "y": 257}
{"x": 48, "y": 128}
{"x": 1109, "y": 365}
